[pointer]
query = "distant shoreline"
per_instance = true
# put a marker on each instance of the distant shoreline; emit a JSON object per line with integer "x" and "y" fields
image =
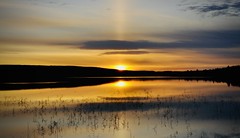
{"x": 72, "y": 76}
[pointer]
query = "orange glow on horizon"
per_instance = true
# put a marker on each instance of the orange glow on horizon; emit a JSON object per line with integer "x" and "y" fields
{"x": 121, "y": 67}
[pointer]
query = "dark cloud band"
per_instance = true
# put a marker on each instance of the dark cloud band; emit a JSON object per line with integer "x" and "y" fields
{"x": 227, "y": 8}
{"x": 126, "y": 53}
{"x": 194, "y": 39}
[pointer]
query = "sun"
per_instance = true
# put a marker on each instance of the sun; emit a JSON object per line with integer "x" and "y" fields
{"x": 121, "y": 67}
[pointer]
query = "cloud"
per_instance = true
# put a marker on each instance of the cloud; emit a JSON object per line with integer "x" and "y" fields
{"x": 143, "y": 61}
{"x": 186, "y": 39}
{"x": 49, "y": 2}
{"x": 222, "y": 43}
{"x": 125, "y": 53}
{"x": 231, "y": 135}
{"x": 219, "y": 8}
{"x": 119, "y": 45}
{"x": 123, "y": 45}
{"x": 231, "y": 52}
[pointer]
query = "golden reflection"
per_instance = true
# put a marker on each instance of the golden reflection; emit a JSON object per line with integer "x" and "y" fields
{"x": 121, "y": 84}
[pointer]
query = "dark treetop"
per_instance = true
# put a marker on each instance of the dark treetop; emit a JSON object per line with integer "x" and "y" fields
{"x": 72, "y": 76}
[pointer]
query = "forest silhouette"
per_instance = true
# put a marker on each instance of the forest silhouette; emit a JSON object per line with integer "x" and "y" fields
{"x": 33, "y": 76}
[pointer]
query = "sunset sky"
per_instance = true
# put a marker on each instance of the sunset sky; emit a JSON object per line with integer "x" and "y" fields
{"x": 141, "y": 34}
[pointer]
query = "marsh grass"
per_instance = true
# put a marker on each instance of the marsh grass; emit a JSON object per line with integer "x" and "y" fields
{"x": 110, "y": 115}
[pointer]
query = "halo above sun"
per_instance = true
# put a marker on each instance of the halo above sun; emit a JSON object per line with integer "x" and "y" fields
{"x": 121, "y": 67}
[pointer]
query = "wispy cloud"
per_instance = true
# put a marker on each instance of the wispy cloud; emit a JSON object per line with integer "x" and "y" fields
{"x": 190, "y": 39}
{"x": 49, "y": 2}
{"x": 125, "y": 53}
{"x": 231, "y": 52}
{"x": 219, "y": 8}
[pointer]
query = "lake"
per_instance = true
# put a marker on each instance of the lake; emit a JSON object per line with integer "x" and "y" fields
{"x": 123, "y": 108}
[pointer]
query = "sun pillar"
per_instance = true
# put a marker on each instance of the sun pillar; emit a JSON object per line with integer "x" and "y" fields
{"x": 120, "y": 19}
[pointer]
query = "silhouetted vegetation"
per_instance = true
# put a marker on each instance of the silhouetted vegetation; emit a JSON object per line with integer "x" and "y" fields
{"x": 51, "y": 118}
{"x": 12, "y": 76}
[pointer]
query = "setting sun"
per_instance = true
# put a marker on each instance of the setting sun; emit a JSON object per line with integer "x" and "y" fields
{"x": 120, "y": 67}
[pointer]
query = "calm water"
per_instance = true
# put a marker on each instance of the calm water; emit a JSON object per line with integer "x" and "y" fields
{"x": 123, "y": 109}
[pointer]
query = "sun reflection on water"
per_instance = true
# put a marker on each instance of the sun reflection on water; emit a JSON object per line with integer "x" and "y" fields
{"x": 121, "y": 84}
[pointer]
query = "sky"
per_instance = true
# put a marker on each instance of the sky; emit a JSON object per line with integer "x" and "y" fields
{"x": 141, "y": 34}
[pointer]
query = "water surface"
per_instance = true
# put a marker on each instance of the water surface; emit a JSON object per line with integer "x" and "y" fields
{"x": 123, "y": 108}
